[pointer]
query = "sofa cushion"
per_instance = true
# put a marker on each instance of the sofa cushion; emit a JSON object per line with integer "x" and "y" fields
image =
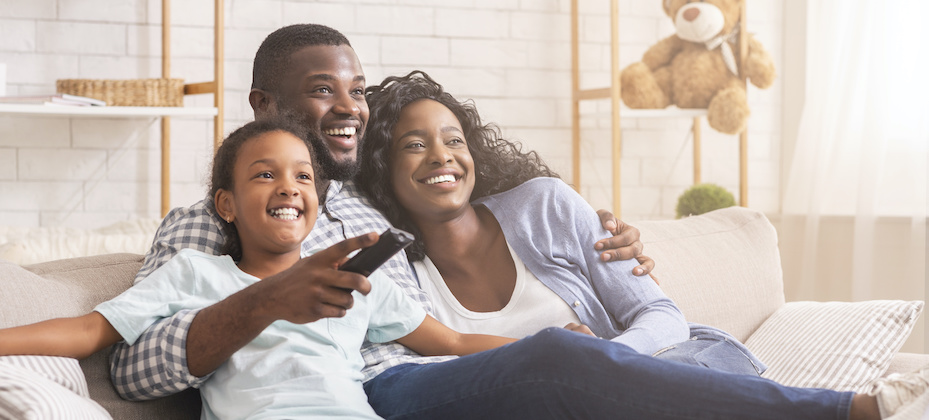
{"x": 836, "y": 345}
{"x": 62, "y": 288}
{"x": 73, "y": 287}
{"x": 33, "y": 387}
{"x": 731, "y": 254}
{"x": 32, "y": 245}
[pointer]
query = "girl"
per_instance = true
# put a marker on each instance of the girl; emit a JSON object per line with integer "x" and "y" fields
{"x": 263, "y": 186}
{"x": 500, "y": 247}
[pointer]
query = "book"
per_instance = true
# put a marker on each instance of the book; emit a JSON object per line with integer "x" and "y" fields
{"x": 62, "y": 99}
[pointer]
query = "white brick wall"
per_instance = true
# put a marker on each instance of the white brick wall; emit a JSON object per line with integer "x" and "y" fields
{"x": 511, "y": 56}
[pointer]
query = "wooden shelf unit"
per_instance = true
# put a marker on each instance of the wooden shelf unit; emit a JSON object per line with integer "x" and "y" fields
{"x": 165, "y": 113}
{"x": 108, "y": 111}
{"x": 613, "y": 93}
{"x": 215, "y": 87}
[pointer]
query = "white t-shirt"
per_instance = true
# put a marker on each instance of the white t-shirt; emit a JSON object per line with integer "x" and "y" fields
{"x": 532, "y": 307}
{"x": 289, "y": 370}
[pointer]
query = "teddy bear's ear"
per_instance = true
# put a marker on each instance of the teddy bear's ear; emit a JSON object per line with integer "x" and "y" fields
{"x": 666, "y": 4}
{"x": 671, "y": 7}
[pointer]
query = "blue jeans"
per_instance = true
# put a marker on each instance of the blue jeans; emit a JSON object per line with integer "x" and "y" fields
{"x": 559, "y": 374}
{"x": 710, "y": 351}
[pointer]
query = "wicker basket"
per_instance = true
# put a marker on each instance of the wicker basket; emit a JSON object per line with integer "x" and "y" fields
{"x": 133, "y": 92}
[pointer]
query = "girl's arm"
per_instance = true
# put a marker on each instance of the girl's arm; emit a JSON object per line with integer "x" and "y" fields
{"x": 77, "y": 337}
{"x": 432, "y": 338}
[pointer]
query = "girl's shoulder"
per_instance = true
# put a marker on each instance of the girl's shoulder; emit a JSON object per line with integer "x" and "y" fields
{"x": 190, "y": 253}
{"x": 196, "y": 258}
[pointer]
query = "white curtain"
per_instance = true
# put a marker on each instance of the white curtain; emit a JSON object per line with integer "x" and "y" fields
{"x": 855, "y": 203}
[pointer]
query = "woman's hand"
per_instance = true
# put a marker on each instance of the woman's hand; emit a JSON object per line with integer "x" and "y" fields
{"x": 581, "y": 328}
{"x": 624, "y": 245}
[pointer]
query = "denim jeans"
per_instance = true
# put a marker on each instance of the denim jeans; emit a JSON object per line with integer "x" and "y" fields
{"x": 711, "y": 351}
{"x": 559, "y": 374}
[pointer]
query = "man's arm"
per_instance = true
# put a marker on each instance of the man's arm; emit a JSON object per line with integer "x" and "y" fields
{"x": 310, "y": 290}
{"x": 156, "y": 365}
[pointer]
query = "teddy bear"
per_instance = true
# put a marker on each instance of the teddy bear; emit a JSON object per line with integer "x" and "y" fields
{"x": 698, "y": 66}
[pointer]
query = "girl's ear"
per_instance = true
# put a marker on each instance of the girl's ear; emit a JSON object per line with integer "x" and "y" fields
{"x": 225, "y": 206}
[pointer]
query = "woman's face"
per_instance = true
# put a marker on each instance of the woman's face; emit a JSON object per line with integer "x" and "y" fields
{"x": 431, "y": 168}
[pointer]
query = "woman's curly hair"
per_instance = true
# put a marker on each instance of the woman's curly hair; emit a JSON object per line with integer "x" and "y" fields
{"x": 499, "y": 165}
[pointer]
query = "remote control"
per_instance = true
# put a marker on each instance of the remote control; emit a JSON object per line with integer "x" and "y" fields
{"x": 369, "y": 259}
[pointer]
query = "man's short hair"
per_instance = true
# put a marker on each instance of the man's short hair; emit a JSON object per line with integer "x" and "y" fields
{"x": 273, "y": 56}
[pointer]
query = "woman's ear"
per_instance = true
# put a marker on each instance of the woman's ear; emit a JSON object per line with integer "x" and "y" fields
{"x": 225, "y": 207}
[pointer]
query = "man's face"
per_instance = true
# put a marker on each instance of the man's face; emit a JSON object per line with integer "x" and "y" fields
{"x": 325, "y": 84}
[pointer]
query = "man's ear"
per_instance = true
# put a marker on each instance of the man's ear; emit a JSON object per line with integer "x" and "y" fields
{"x": 262, "y": 103}
{"x": 225, "y": 207}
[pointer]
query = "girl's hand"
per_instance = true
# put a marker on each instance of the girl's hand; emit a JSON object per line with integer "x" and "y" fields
{"x": 581, "y": 328}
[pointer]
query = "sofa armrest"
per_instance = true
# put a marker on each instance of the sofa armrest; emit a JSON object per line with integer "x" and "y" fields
{"x": 907, "y": 362}
{"x": 72, "y": 287}
{"x": 722, "y": 268}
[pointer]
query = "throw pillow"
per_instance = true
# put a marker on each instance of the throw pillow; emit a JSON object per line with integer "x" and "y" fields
{"x": 34, "y": 387}
{"x": 836, "y": 345}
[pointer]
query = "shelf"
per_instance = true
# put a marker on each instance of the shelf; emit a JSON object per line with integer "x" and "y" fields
{"x": 165, "y": 114}
{"x": 669, "y": 112}
{"x": 108, "y": 111}
{"x": 617, "y": 109}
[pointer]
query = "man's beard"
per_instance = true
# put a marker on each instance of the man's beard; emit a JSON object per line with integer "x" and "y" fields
{"x": 331, "y": 168}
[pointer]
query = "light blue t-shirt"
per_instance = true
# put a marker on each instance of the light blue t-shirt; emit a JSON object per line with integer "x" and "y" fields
{"x": 289, "y": 370}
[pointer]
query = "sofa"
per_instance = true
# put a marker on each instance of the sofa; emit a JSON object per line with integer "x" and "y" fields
{"x": 722, "y": 268}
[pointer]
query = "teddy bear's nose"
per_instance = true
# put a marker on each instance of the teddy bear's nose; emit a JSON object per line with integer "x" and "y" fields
{"x": 691, "y": 14}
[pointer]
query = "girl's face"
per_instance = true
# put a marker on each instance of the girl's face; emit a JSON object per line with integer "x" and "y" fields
{"x": 273, "y": 202}
{"x": 431, "y": 168}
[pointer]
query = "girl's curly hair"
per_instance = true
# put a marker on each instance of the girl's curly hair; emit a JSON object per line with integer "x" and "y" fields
{"x": 499, "y": 164}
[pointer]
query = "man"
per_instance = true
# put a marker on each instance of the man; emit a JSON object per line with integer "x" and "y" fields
{"x": 312, "y": 71}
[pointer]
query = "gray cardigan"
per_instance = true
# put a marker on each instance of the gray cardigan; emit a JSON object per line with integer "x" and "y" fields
{"x": 553, "y": 230}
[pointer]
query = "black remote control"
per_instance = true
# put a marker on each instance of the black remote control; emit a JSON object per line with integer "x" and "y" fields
{"x": 369, "y": 259}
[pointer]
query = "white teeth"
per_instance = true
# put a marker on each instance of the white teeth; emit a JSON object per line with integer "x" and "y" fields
{"x": 345, "y": 131}
{"x": 440, "y": 179}
{"x": 288, "y": 213}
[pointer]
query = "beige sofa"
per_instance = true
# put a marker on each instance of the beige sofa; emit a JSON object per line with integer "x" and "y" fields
{"x": 722, "y": 268}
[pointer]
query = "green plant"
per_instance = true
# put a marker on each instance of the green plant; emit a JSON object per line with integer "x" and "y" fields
{"x": 702, "y": 198}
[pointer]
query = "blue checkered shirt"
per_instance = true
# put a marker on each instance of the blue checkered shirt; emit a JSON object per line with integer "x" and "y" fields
{"x": 156, "y": 365}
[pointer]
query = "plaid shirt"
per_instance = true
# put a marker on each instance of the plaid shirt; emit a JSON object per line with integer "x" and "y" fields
{"x": 156, "y": 365}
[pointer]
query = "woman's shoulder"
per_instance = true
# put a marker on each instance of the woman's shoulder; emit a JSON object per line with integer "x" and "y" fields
{"x": 545, "y": 183}
{"x": 534, "y": 189}
{"x": 539, "y": 199}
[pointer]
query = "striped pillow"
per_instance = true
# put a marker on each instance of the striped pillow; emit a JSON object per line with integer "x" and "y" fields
{"x": 836, "y": 345}
{"x": 45, "y": 387}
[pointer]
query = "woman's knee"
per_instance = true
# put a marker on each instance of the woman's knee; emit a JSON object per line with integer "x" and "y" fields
{"x": 571, "y": 351}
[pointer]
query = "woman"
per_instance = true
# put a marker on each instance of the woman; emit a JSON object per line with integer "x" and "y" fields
{"x": 482, "y": 282}
{"x": 500, "y": 247}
